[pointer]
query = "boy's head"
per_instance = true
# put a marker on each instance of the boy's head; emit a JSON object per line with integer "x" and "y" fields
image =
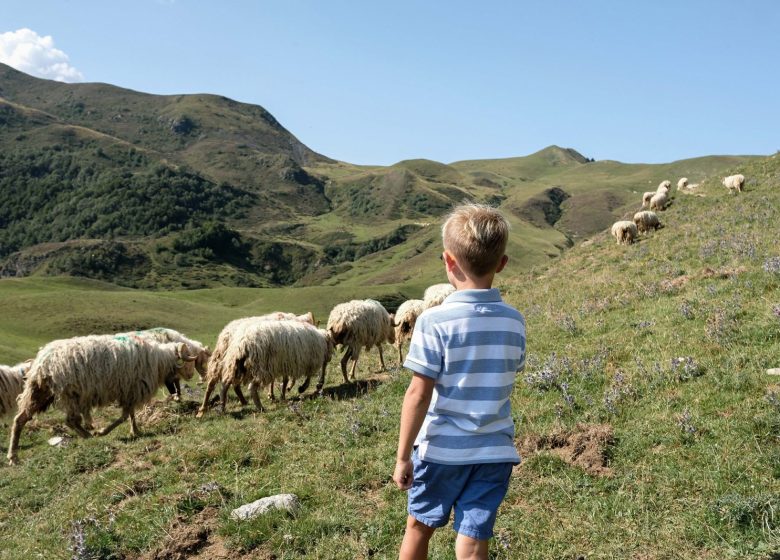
{"x": 476, "y": 236}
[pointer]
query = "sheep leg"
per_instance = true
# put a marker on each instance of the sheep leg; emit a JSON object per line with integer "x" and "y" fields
{"x": 177, "y": 385}
{"x": 73, "y": 421}
{"x": 223, "y": 396}
{"x": 271, "y": 391}
{"x": 87, "y": 417}
{"x": 254, "y": 393}
{"x": 354, "y": 362}
{"x": 303, "y": 386}
{"x": 321, "y": 380}
{"x": 105, "y": 431}
{"x": 400, "y": 353}
{"x": 205, "y": 405}
{"x": 19, "y": 421}
{"x": 381, "y": 357}
{"x": 284, "y": 388}
{"x": 240, "y": 394}
{"x": 134, "y": 431}
{"x": 344, "y": 359}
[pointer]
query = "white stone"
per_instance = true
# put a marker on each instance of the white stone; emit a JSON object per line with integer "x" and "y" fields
{"x": 773, "y": 371}
{"x": 284, "y": 502}
{"x": 58, "y": 441}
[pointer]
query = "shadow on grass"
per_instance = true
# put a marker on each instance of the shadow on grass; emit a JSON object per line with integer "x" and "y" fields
{"x": 349, "y": 390}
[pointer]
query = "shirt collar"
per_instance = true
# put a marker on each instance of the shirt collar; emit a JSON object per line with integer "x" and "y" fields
{"x": 474, "y": 296}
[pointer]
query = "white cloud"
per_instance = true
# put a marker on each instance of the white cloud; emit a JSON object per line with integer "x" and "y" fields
{"x": 32, "y": 54}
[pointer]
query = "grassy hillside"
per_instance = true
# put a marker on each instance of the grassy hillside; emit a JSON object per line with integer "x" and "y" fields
{"x": 648, "y": 426}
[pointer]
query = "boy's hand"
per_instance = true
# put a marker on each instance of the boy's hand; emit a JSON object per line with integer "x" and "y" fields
{"x": 403, "y": 474}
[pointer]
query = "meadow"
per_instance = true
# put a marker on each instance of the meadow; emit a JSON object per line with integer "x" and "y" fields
{"x": 648, "y": 426}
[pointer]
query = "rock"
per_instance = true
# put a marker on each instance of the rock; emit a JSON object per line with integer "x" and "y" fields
{"x": 284, "y": 502}
{"x": 773, "y": 371}
{"x": 58, "y": 441}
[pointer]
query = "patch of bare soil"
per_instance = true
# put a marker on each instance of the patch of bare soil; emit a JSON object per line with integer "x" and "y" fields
{"x": 197, "y": 539}
{"x": 585, "y": 446}
{"x": 707, "y": 272}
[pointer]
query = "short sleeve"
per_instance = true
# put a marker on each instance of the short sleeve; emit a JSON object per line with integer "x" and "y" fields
{"x": 426, "y": 352}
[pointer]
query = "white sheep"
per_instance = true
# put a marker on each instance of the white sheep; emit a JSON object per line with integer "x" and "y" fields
{"x": 682, "y": 183}
{"x": 659, "y": 201}
{"x": 646, "y": 220}
{"x": 436, "y": 294}
{"x": 265, "y": 351}
{"x": 217, "y": 366}
{"x": 360, "y": 323}
{"x": 80, "y": 373}
{"x": 734, "y": 182}
{"x": 404, "y": 321}
{"x": 11, "y": 385}
{"x": 195, "y": 348}
{"x": 664, "y": 186}
{"x": 624, "y": 232}
{"x": 646, "y": 198}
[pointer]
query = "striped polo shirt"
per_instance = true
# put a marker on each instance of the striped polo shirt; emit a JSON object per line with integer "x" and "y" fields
{"x": 473, "y": 345}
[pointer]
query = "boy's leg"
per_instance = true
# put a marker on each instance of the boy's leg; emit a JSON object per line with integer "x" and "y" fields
{"x": 467, "y": 548}
{"x": 416, "y": 538}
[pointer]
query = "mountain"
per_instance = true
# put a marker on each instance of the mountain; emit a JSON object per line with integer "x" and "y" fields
{"x": 163, "y": 191}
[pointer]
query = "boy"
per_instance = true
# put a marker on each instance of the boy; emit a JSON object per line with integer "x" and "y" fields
{"x": 456, "y": 413}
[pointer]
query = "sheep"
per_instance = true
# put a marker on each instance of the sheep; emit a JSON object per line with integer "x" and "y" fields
{"x": 624, "y": 232}
{"x": 664, "y": 186}
{"x": 195, "y": 348}
{"x": 217, "y": 364}
{"x": 405, "y": 318}
{"x": 734, "y": 182}
{"x": 359, "y": 323}
{"x": 682, "y": 183}
{"x": 269, "y": 350}
{"x": 659, "y": 201}
{"x": 646, "y": 198}
{"x": 645, "y": 221}
{"x": 11, "y": 385}
{"x": 436, "y": 294}
{"x": 94, "y": 371}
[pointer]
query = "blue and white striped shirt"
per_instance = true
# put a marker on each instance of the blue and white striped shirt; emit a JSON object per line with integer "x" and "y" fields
{"x": 473, "y": 345}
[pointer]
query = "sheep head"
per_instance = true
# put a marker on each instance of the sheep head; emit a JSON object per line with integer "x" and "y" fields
{"x": 185, "y": 364}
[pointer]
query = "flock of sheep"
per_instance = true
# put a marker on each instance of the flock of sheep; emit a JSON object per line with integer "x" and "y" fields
{"x": 127, "y": 369}
{"x": 625, "y": 232}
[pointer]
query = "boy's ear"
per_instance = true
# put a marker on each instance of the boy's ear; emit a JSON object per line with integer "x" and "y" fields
{"x": 502, "y": 264}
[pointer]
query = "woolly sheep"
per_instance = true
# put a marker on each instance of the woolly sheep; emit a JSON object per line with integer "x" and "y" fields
{"x": 646, "y": 198}
{"x": 195, "y": 348}
{"x": 94, "y": 371}
{"x": 11, "y": 385}
{"x": 268, "y": 350}
{"x": 664, "y": 186}
{"x": 436, "y": 294}
{"x": 734, "y": 182}
{"x": 624, "y": 232}
{"x": 360, "y": 323}
{"x": 645, "y": 221}
{"x": 659, "y": 201}
{"x": 216, "y": 365}
{"x": 682, "y": 183}
{"x": 405, "y": 318}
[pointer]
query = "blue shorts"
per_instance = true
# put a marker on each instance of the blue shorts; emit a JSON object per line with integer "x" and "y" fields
{"x": 475, "y": 491}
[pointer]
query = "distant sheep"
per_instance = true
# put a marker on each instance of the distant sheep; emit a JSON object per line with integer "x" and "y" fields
{"x": 195, "y": 348}
{"x": 646, "y": 198}
{"x": 265, "y": 351}
{"x": 734, "y": 182}
{"x": 645, "y": 221}
{"x": 682, "y": 183}
{"x": 659, "y": 201}
{"x": 664, "y": 187}
{"x": 357, "y": 324}
{"x": 436, "y": 294}
{"x": 624, "y": 232}
{"x": 404, "y": 321}
{"x": 11, "y": 385}
{"x": 80, "y": 373}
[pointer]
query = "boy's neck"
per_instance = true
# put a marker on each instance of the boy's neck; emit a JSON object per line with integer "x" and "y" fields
{"x": 470, "y": 283}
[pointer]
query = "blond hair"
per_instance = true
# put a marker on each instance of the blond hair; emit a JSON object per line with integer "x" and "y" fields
{"x": 476, "y": 235}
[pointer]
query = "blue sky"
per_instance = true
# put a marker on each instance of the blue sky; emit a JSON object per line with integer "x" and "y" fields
{"x": 376, "y": 82}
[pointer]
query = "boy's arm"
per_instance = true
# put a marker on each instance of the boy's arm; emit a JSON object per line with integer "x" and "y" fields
{"x": 413, "y": 410}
